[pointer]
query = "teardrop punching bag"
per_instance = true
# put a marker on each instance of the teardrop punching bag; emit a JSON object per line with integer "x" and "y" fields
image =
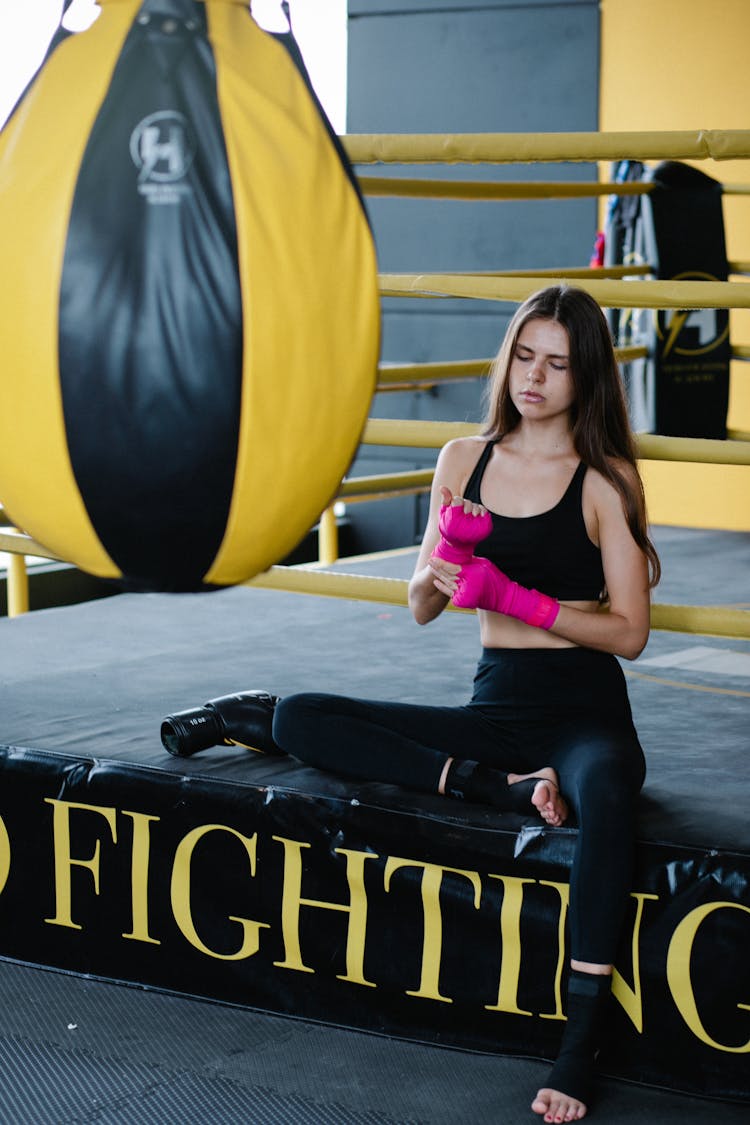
{"x": 189, "y": 311}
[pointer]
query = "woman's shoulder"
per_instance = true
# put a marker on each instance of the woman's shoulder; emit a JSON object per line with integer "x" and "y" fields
{"x": 463, "y": 450}
{"x": 602, "y": 487}
{"x": 457, "y": 461}
{"x": 621, "y": 468}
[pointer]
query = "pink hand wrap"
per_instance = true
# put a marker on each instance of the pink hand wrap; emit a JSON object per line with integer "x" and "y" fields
{"x": 459, "y": 533}
{"x": 482, "y": 586}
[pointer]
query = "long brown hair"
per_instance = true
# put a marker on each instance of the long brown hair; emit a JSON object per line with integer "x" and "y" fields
{"x": 599, "y": 417}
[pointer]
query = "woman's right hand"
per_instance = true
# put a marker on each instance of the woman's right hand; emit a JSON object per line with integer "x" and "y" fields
{"x": 434, "y": 579}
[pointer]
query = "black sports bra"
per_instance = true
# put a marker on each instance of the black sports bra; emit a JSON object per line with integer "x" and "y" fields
{"x": 550, "y": 552}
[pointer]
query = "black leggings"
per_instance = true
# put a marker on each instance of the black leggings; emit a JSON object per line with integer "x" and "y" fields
{"x": 566, "y": 708}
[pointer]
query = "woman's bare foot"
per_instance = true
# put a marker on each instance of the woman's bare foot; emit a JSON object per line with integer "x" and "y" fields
{"x": 548, "y": 802}
{"x": 555, "y": 1106}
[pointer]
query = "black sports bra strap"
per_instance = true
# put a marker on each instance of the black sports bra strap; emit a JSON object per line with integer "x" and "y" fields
{"x": 574, "y": 491}
{"x": 578, "y": 475}
{"x": 474, "y": 483}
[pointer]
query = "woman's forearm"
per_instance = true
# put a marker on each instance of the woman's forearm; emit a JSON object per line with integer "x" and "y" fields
{"x": 426, "y": 602}
{"x": 607, "y": 631}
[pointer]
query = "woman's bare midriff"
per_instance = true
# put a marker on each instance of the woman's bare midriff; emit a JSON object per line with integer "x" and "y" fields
{"x": 498, "y": 631}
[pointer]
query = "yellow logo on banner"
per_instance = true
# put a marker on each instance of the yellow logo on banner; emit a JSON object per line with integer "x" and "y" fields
{"x": 690, "y": 332}
{"x": 4, "y": 855}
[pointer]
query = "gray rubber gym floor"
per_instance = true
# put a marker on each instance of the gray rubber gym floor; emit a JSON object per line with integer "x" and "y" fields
{"x": 76, "y": 1050}
{"x": 73, "y": 1049}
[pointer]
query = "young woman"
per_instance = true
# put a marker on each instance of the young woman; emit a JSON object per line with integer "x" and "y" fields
{"x": 540, "y": 525}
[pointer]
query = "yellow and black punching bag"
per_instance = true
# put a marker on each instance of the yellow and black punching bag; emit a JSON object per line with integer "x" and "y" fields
{"x": 189, "y": 312}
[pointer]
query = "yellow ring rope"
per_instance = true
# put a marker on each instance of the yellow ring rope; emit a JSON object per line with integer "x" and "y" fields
{"x": 633, "y": 269}
{"x": 471, "y": 368}
{"x": 610, "y": 294}
{"x": 411, "y": 188}
{"x": 651, "y": 447}
{"x": 393, "y": 591}
{"x": 17, "y": 543}
{"x": 527, "y": 148}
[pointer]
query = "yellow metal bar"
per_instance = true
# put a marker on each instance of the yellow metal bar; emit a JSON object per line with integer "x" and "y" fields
{"x": 610, "y": 294}
{"x": 393, "y": 591}
{"x": 611, "y": 272}
{"x": 18, "y": 543}
{"x": 407, "y": 188}
{"x": 706, "y": 620}
{"x": 17, "y": 586}
{"x": 410, "y": 188}
{"x": 390, "y": 494}
{"x": 418, "y": 435}
{"x": 432, "y": 372}
{"x": 626, "y": 355}
{"x": 528, "y": 148}
{"x": 386, "y": 482}
{"x": 741, "y": 351}
{"x": 651, "y": 447}
{"x": 421, "y": 386}
{"x": 698, "y": 451}
{"x": 359, "y": 587}
{"x": 328, "y": 537}
{"x": 411, "y": 373}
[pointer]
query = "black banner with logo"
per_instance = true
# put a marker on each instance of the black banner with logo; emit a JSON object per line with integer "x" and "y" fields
{"x": 678, "y": 229}
{"x": 364, "y": 916}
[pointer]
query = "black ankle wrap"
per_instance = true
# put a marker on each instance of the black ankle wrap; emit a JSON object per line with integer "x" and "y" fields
{"x": 483, "y": 785}
{"x": 573, "y": 1071}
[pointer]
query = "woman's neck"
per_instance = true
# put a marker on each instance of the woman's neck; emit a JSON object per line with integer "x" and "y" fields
{"x": 542, "y": 439}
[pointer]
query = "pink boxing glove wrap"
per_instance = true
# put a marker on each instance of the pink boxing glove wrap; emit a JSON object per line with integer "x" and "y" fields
{"x": 460, "y": 533}
{"x": 482, "y": 586}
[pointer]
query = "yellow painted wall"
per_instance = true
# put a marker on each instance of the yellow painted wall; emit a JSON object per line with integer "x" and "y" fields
{"x": 683, "y": 64}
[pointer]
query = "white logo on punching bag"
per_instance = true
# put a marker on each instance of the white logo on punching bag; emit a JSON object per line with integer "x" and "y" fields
{"x": 162, "y": 148}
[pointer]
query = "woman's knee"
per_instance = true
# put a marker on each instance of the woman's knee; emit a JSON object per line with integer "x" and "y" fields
{"x": 601, "y": 763}
{"x": 294, "y": 722}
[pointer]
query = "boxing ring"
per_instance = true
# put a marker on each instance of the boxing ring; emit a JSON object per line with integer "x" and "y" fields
{"x": 262, "y": 883}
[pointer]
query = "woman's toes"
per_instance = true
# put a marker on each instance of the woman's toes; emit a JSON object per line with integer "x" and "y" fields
{"x": 554, "y": 1106}
{"x": 540, "y": 1103}
{"x": 549, "y": 804}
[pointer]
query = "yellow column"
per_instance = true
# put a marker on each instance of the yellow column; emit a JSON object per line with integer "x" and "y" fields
{"x": 328, "y": 537}
{"x": 650, "y": 55}
{"x": 18, "y": 586}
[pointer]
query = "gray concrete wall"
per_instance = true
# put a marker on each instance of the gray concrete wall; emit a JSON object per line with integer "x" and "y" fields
{"x": 441, "y": 66}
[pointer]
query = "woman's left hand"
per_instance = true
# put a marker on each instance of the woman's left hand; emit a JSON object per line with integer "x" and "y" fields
{"x": 445, "y": 575}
